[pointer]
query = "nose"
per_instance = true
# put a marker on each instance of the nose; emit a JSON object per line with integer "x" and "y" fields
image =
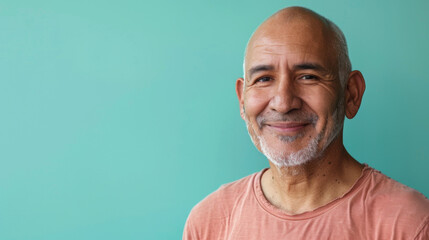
{"x": 285, "y": 97}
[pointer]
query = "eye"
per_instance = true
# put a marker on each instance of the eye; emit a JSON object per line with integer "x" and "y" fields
{"x": 308, "y": 77}
{"x": 263, "y": 79}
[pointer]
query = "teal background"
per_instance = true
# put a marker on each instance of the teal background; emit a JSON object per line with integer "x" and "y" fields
{"x": 118, "y": 116}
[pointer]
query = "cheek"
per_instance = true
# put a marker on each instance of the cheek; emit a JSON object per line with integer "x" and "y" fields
{"x": 255, "y": 102}
{"x": 321, "y": 102}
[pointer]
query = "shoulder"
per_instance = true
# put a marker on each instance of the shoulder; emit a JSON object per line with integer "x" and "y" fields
{"x": 217, "y": 203}
{"x": 383, "y": 189}
{"x": 390, "y": 203}
{"x": 210, "y": 216}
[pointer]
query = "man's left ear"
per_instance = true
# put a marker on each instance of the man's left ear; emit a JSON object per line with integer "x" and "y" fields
{"x": 353, "y": 93}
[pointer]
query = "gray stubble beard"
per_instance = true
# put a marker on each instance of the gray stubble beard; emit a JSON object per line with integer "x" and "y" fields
{"x": 308, "y": 153}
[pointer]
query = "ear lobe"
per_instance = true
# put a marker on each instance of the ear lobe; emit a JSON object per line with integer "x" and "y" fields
{"x": 354, "y": 92}
{"x": 239, "y": 88}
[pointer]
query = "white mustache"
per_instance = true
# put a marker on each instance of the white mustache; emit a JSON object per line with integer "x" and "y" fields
{"x": 289, "y": 117}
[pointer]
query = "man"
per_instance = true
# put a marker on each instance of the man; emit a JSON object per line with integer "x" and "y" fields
{"x": 297, "y": 88}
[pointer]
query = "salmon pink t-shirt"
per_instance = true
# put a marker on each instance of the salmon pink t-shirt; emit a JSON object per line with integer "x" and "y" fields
{"x": 376, "y": 207}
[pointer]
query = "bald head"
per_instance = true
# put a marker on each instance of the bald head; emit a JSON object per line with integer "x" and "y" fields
{"x": 303, "y": 25}
{"x": 294, "y": 97}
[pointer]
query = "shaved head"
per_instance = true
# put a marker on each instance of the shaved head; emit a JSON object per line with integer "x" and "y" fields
{"x": 296, "y": 68}
{"x": 306, "y": 24}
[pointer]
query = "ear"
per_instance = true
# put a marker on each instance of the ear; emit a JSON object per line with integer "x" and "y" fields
{"x": 353, "y": 93}
{"x": 239, "y": 85}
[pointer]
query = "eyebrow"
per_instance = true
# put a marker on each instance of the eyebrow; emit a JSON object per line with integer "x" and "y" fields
{"x": 309, "y": 66}
{"x": 260, "y": 68}
{"x": 300, "y": 66}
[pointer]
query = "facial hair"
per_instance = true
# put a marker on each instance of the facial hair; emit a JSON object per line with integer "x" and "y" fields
{"x": 309, "y": 152}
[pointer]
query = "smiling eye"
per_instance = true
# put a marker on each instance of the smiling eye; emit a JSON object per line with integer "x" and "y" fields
{"x": 263, "y": 79}
{"x": 308, "y": 77}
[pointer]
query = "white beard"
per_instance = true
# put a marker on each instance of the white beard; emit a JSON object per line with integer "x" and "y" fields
{"x": 306, "y": 154}
{"x": 283, "y": 159}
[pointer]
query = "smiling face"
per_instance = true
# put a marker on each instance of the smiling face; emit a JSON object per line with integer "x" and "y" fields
{"x": 291, "y": 97}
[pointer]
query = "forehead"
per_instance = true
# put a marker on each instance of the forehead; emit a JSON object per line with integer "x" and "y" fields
{"x": 290, "y": 43}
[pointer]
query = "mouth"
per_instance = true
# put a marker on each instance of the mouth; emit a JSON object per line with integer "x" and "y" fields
{"x": 287, "y": 127}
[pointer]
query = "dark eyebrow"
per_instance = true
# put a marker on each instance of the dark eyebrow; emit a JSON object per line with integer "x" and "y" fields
{"x": 259, "y": 68}
{"x": 300, "y": 66}
{"x": 309, "y": 66}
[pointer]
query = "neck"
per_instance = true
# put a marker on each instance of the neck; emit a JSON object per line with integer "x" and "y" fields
{"x": 304, "y": 188}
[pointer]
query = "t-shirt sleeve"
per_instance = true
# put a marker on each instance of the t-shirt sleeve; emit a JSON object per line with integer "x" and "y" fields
{"x": 206, "y": 220}
{"x": 423, "y": 234}
{"x": 189, "y": 232}
{"x": 209, "y": 219}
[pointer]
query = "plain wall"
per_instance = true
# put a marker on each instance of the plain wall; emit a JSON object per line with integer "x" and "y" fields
{"x": 117, "y": 117}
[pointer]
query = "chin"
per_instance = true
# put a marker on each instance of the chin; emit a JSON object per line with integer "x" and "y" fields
{"x": 281, "y": 158}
